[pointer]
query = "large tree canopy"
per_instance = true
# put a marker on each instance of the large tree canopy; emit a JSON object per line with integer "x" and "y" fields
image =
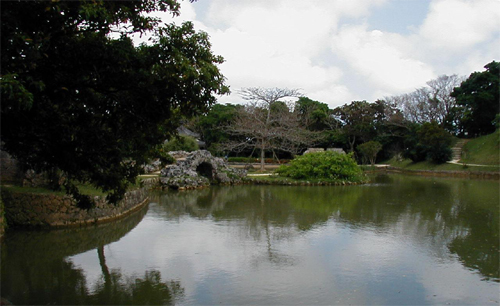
{"x": 478, "y": 98}
{"x": 359, "y": 121}
{"x": 76, "y": 100}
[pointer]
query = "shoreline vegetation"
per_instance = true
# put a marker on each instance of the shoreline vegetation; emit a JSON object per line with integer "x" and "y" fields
{"x": 273, "y": 175}
{"x": 269, "y": 176}
{"x": 479, "y": 159}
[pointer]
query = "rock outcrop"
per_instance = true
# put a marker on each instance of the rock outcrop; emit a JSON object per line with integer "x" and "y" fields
{"x": 198, "y": 169}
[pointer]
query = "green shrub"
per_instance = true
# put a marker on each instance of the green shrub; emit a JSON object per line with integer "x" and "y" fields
{"x": 323, "y": 165}
{"x": 181, "y": 143}
{"x": 165, "y": 158}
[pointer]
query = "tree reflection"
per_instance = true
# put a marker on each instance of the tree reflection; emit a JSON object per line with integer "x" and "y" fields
{"x": 115, "y": 289}
{"x": 35, "y": 269}
{"x": 460, "y": 214}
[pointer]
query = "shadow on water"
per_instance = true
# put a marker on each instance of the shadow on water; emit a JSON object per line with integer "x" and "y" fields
{"x": 35, "y": 269}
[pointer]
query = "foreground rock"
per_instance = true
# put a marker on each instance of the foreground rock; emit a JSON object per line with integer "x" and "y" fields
{"x": 199, "y": 169}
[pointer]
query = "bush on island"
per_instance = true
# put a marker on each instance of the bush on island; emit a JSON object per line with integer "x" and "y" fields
{"x": 181, "y": 143}
{"x": 326, "y": 165}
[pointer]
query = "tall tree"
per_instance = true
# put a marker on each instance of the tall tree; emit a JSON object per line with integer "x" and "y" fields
{"x": 314, "y": 115}
{"x": 210, "y": 125}
{"x": 428, "y": 141}
{"x": 359, "y": 120}
{"x": 75, "y": 99}
{"x": 430, "y": 103}
{"x": 478, "y": 100}
{"x": 369, "y": 150}
{"x": 267, "y": 123}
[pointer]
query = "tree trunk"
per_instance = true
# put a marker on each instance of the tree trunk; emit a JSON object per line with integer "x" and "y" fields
{"x": 351, "y": 143}
{"x": 262, "y": 157}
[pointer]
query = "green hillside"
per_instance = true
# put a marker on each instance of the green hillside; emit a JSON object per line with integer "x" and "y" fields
{"x": 484, "y": 150}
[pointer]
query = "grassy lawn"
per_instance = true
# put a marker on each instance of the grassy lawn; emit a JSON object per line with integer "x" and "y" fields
{"x": 484, "y": 150}
{"x": 409, "y": 165}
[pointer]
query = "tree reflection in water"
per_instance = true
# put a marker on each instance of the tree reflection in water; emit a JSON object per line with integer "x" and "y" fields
{"x": 459, "y": 214}
{"x": 35, "y": 269}
{"x": 271, "y": 229}
{"x": 115, "y": 289}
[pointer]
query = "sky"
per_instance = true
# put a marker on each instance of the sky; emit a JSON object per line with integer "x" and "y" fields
{"x": 338, "y": 51}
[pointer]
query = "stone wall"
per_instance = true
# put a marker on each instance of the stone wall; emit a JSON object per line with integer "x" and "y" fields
{"x": 49, "y": 210}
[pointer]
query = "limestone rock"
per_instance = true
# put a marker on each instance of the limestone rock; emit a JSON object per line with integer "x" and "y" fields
{"x": 314, "y": 150}
{"x": 153, "y": 166}
{"x": 198, "y": 169}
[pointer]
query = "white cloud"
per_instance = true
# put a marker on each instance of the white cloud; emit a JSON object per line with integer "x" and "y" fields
{"x": 461, "y": 24}
{"x": 272, "y": 44}
{"x": 325, "y": 47}
{"x": 382, "y": 58}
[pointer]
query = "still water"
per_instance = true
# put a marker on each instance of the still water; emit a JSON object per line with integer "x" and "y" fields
{"x": 398, "y": 240}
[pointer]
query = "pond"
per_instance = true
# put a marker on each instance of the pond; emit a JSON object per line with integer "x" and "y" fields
{"x": 398, "y": 240}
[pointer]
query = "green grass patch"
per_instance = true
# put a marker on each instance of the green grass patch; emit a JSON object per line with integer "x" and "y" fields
{"x": 426, "y": 165}
{"x": 281, "y": 180}
{"x": 484, "y": 150}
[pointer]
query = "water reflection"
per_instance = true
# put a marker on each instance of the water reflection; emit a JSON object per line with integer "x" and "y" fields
{"x": 460, "y": 216}
{"x": 399, "y": 240}
{"x": 36, "y": 269}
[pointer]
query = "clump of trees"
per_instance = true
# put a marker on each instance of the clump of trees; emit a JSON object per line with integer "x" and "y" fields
{"x": 478, "y": 102}
{"x": 92, "y": 106}
{"x": 267, "y": 123}
{"x": 419, "y": 125}
{"x": 428, "y": 141}
{"x": 328, "y": 165}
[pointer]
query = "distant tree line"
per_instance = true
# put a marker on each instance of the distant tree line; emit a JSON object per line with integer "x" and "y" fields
{"x": 419, "y": 125}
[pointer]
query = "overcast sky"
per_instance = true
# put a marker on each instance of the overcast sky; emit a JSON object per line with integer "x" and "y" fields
{"x": 338, "y": 51}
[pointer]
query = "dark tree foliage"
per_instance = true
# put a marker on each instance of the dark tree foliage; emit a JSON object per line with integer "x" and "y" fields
{"x": 76, "y": 100}
{"x": 314, "y": 115}
{"x": 478, "y": 100}
{"x": 210, "y": 125}
{"x": 360, "y": 121}
{"x": 428, "y": 141}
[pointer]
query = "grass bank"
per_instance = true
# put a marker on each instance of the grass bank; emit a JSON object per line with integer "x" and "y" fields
{"x": 274, "y": 179}
{"x": 429, "y": 166}
{"x": 484, "y": 150}
{"x": 481, "y": 154}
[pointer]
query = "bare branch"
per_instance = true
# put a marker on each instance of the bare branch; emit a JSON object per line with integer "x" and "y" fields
{"x": 268, "y": 95}
{"x": 267, "y": 123}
